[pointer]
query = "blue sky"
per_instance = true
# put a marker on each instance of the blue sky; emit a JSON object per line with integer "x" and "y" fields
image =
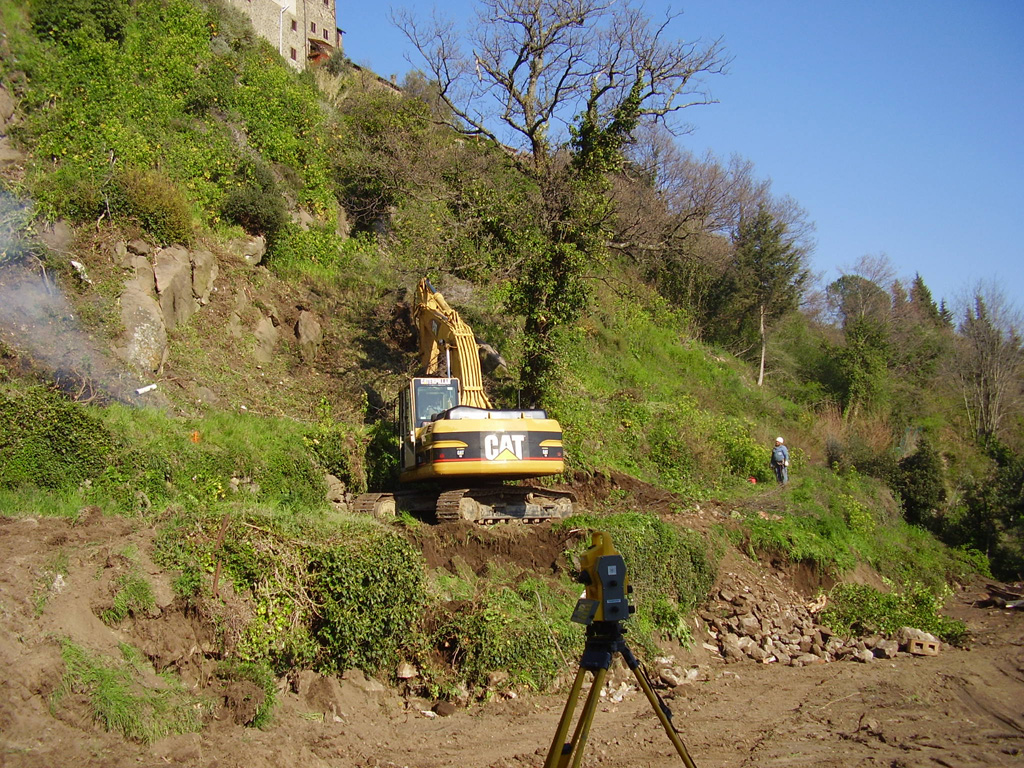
{"x": 898, "y": 126}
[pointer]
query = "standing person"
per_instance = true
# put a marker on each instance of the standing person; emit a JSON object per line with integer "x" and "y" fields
{"x": 780, "y": 461}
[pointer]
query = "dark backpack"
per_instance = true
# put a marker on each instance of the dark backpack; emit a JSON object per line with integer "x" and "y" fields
{"x": 778, "y": 455}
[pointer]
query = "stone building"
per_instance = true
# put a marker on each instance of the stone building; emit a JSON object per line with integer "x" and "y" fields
{"x": 303, "y": 31}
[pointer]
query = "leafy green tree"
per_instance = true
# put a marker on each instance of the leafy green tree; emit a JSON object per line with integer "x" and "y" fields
{"x": 920, "y": 482}
{"x": 857, "y": 298}
{"x": 863, "y": 360}
{"x": 767, "y": 276}
{"x": 990, "y": 517}
{"x": 863, "y": 309}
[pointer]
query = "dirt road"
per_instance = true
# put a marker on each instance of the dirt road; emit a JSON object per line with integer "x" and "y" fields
{"x": 960, "y": 708}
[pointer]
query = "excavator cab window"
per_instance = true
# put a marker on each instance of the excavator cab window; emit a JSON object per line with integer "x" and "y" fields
{"x": 434, "y": 398}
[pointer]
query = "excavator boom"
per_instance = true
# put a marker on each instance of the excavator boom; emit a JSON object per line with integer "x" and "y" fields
{"x": 447, "y": 345}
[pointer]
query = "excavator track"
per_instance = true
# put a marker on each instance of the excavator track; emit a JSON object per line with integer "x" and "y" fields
{"x": 377, "y": 504}
{"x": 504, "y": 504}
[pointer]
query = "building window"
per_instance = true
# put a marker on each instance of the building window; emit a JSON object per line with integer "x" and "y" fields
{"x": 295, "y": 55}
{"x": 312, "y": 26}
{"x": 295, "y": 26}
{"x": 325, "y": 35}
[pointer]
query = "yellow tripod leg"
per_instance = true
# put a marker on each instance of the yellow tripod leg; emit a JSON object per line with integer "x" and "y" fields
{"x": 665, "y": 722}
{"x": 579, "y": 739}
{"x": 558, "y": 744}
{"x": 562, "y": 752}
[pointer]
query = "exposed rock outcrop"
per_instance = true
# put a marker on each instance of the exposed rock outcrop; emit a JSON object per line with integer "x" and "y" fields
{"x": 166, "y": 287}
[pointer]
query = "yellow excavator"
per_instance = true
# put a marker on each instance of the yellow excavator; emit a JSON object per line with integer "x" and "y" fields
{"x": 459, "y": 453}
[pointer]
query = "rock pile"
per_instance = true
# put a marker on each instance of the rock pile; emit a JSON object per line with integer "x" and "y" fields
{"x": 777, "y": 625}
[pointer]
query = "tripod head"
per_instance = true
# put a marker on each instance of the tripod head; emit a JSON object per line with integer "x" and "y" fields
{"x": 603, "y": 573}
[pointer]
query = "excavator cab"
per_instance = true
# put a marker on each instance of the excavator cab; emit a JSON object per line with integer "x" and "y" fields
{"x": 432, "y": 397}
{"x": 418, "y": 405}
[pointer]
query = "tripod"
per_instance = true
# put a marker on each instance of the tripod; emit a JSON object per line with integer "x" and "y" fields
{"x": 604, "y": 640}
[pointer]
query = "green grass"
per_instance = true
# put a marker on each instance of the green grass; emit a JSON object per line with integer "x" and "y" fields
{"x": 132, "y": 596}
{"x": 833, "y": 522}
{"x": 122, "y": 702}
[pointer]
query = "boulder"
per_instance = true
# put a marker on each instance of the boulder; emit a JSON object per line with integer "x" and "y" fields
{"x": 145, "y": 331}
{"x": 204, "y": 273}
{"x": 173, "y": 270}
{"x": 251, "y": 250}
{"x": 336, "y": 490}
{"x": 143, "y": 277}
{"x": 9, "y": 155}
{"x": 309, "y": 335}
{"x": 886, "y": 649}
{"x": 266, "y": 340}
{"x": 6, "y": 108}
{"x": 139, "y": 247}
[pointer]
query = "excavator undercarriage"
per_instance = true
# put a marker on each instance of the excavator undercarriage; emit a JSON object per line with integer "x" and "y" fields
{"x": 484, "y": 505}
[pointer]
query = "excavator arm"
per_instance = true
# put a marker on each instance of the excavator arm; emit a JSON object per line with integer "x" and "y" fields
{"x": 447, "y": 345}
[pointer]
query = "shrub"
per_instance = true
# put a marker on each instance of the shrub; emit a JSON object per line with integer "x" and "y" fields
{"x": 47, "y": 441}
{"x": 338, "y": 450}
{"x": 155, "y": 203}
{"x": 510, "y": 622}
{"x": 257, "y": 211}
{"x": 59, "y": 18}
{"x": 369, "y": 593}
{"x": 326, "y": 598}
{"x": 382, "y": 456}
{"x": 857, "y": 609}
{"x": 257, "y": 205}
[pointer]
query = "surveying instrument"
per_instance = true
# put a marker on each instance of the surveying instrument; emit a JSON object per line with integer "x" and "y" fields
{"x": 603, "y": 609}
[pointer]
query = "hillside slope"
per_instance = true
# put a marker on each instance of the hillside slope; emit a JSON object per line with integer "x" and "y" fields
{"x": 203, "y": 325}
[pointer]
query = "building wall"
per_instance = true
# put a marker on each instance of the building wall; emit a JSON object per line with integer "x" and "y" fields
{"x": 303, "y": 31}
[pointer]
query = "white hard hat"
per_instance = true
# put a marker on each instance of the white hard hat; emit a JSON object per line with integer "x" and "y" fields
{"x": 779, "y": 440}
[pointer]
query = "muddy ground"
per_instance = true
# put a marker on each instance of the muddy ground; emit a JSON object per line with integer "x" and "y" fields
{"x": 963, "y": 707}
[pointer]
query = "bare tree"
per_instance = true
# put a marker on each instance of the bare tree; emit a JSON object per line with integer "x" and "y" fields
{"x": 530, "y": 66}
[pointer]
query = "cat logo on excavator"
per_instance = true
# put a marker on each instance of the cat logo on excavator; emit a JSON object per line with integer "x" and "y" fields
{"x": 504, "y": 447}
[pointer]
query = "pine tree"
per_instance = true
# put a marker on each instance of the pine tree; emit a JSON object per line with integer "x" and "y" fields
{"x": 769, "y": 274}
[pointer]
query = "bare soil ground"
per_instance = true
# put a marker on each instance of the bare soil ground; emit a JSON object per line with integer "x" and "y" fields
{"x": 960, "y": 708}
